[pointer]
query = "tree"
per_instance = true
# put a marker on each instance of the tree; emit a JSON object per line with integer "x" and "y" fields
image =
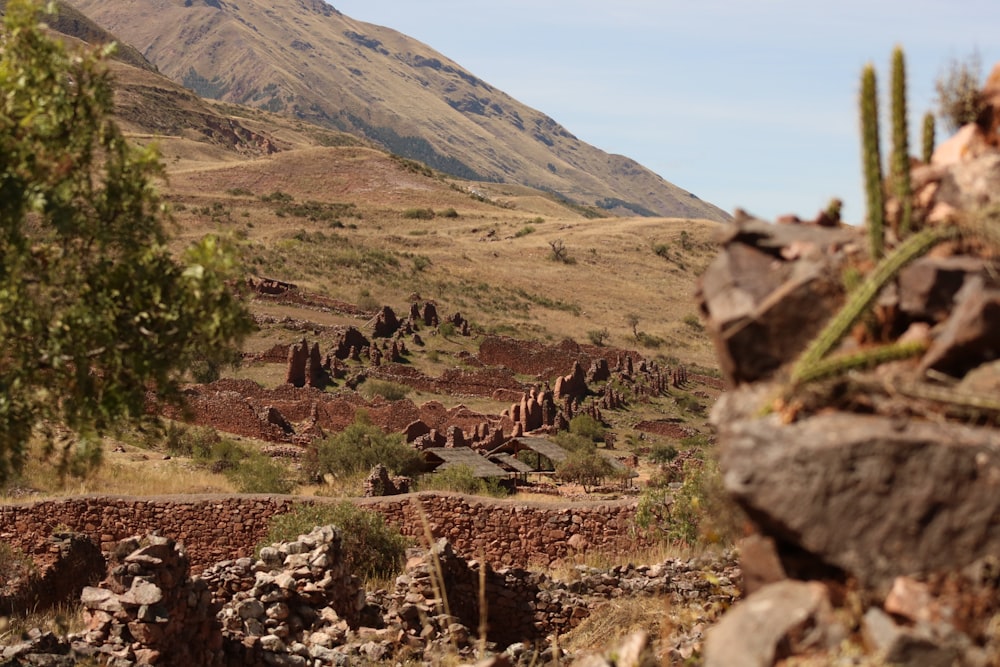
{"x": 94, "y": 309}
{"x": 588, "y": 469}
{"x": 361, "y": 445}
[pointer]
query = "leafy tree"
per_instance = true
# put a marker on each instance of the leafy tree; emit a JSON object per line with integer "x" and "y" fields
{"x": 93, "y": 307}
{"x": 361, "y": 445}
{"x": 589, "y": 469}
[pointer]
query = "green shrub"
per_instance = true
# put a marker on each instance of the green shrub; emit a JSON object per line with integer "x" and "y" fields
{"x": 574, "y": 442}
{"x": 419, "y": 213}
{"x": 372, "y": 549}
{"x": 662, "y": 453}
{"x": 421, "y": 262}
{"x": 256, "y": 473}
{"x": 524, "y": 231}
{"x": 662, "y": 250}
{"x": 446, "y": 329}
{"x": 390, "y": 391}
{"x": 361, "y": 445}
{"x": 239, "y": 192}
{"x": 461, "y": 479}
{"x": 277, "y": 196}
{"x": 184, "y": 440}
{"x": 587, "y": 427}
{"x": 449, "y": 213}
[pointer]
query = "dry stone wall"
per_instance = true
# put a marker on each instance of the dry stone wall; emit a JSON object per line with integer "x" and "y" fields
{"x": 216, "y": 528}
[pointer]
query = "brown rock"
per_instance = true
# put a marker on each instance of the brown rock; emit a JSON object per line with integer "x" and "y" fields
{"x": 971, "y": 335}
{"x": 779, "y": 620}
{"x": 872, "y": 496}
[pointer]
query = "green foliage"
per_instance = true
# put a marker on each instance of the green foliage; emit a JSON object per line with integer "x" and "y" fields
{"x": 872, "y": 161}
{"x": 663, "y": 453}
{"x": 361, "y": 445}
{"x": 372, "y": 549}
{"x": 93, "y": 307}
{"x": 449, "y": 213}
{"x": 390, "y": 391}
{"x": 927, "y": 147}
{"x": 249, "y": 470}
{"x": 589, "y": 469}
{"x": 419, "y": 214}
{"x": 698, "y": 513}
{"x": 257, "y": 473}
{"x": 900, "y": 157}
{"x": 446, "y": 329}
{"x": 959, "y": 92}
{"x": 524, "y": 231}
{"x": 461, "y": 479}
{"x": 598, "y": 337}
{"x": 587, "y": 427}
{"x": 574, "y": 442}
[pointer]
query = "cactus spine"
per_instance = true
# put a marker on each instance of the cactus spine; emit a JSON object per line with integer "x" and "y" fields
{"x": 928, "y": 138}
{"x": 900, "y": 158}
{"x": 872, "y": 159}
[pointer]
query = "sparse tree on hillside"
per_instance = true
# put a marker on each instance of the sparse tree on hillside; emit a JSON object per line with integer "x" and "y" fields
{"x": 93, "y": 307}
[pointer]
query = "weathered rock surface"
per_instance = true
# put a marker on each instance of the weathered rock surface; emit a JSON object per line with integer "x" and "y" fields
{"x": 873, "y": 496}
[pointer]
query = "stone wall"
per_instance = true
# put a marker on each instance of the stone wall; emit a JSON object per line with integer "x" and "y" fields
{"x": 216, "y": 528}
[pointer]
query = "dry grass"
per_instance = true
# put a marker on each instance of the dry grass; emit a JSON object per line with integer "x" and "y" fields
{"x": 60, "y": 620}
{"x": 134, "y": 472}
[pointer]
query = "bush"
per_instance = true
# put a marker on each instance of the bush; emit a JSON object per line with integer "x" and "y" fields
{"x": 524, "y": 231}
{"x": 461, "y": 479}
{"x": 361, "y": 445}
{"x": 390, "y": 391}
{"x": 587, "y": 427}
{"x": 663, "y": 453}
{"x": 698, "y": 513}
{"x": 257, "y": 473}
{"x": 372, "y": 549}
{"x": 574, "y": 442}
{"x": 449, "y": 213}
{"x": 959, "y": 94}
{"x": 419, "y": 213}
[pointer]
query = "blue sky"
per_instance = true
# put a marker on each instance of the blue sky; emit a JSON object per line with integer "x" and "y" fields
{"x": 745, "y": 104}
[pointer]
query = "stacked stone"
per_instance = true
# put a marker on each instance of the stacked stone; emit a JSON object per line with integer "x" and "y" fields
{"x": 148, "y": 612}
{"x": 301, "y": 606}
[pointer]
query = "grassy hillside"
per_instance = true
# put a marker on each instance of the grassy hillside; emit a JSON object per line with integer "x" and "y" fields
{"x": 305, "y": 60}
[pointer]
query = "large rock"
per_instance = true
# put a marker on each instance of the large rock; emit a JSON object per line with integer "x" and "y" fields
{"x": 875, "y": 497}
{"x": 761, "y": 294}
{"x": 779, "y": 620}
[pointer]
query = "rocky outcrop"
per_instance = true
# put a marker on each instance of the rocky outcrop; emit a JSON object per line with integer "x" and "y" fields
{"x": 877, "y": 471}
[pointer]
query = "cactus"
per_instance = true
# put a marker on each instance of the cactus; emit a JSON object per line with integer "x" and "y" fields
{"x": 928, "y": 138}
{"x": 900, "y": 157}
{"x": 861, "y": 298}
{"x": 872, "y": 160}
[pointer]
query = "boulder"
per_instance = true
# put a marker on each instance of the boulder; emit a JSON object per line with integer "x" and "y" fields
{"x": 777, "y": 621}
{"x": 876, "y": 497}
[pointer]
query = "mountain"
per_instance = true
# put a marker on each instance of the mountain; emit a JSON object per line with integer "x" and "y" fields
{"x": 304, "y": 59}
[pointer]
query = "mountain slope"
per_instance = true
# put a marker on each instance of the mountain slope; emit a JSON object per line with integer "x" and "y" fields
{"x": 307, "y": 60}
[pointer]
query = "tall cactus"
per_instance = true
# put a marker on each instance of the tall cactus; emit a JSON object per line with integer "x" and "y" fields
{"x": 872, "y": 160}
{"x": 900, "y": 157}
{"x": 928, "y": 138}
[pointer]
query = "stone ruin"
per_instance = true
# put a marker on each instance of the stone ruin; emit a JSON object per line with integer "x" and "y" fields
{"x": 299, "y": 605}
{"x": 380, "y": 483}
{"x": 878, "y": 480}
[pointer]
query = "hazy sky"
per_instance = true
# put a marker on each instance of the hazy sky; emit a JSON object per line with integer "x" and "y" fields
{"x": 749, "y": 104}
